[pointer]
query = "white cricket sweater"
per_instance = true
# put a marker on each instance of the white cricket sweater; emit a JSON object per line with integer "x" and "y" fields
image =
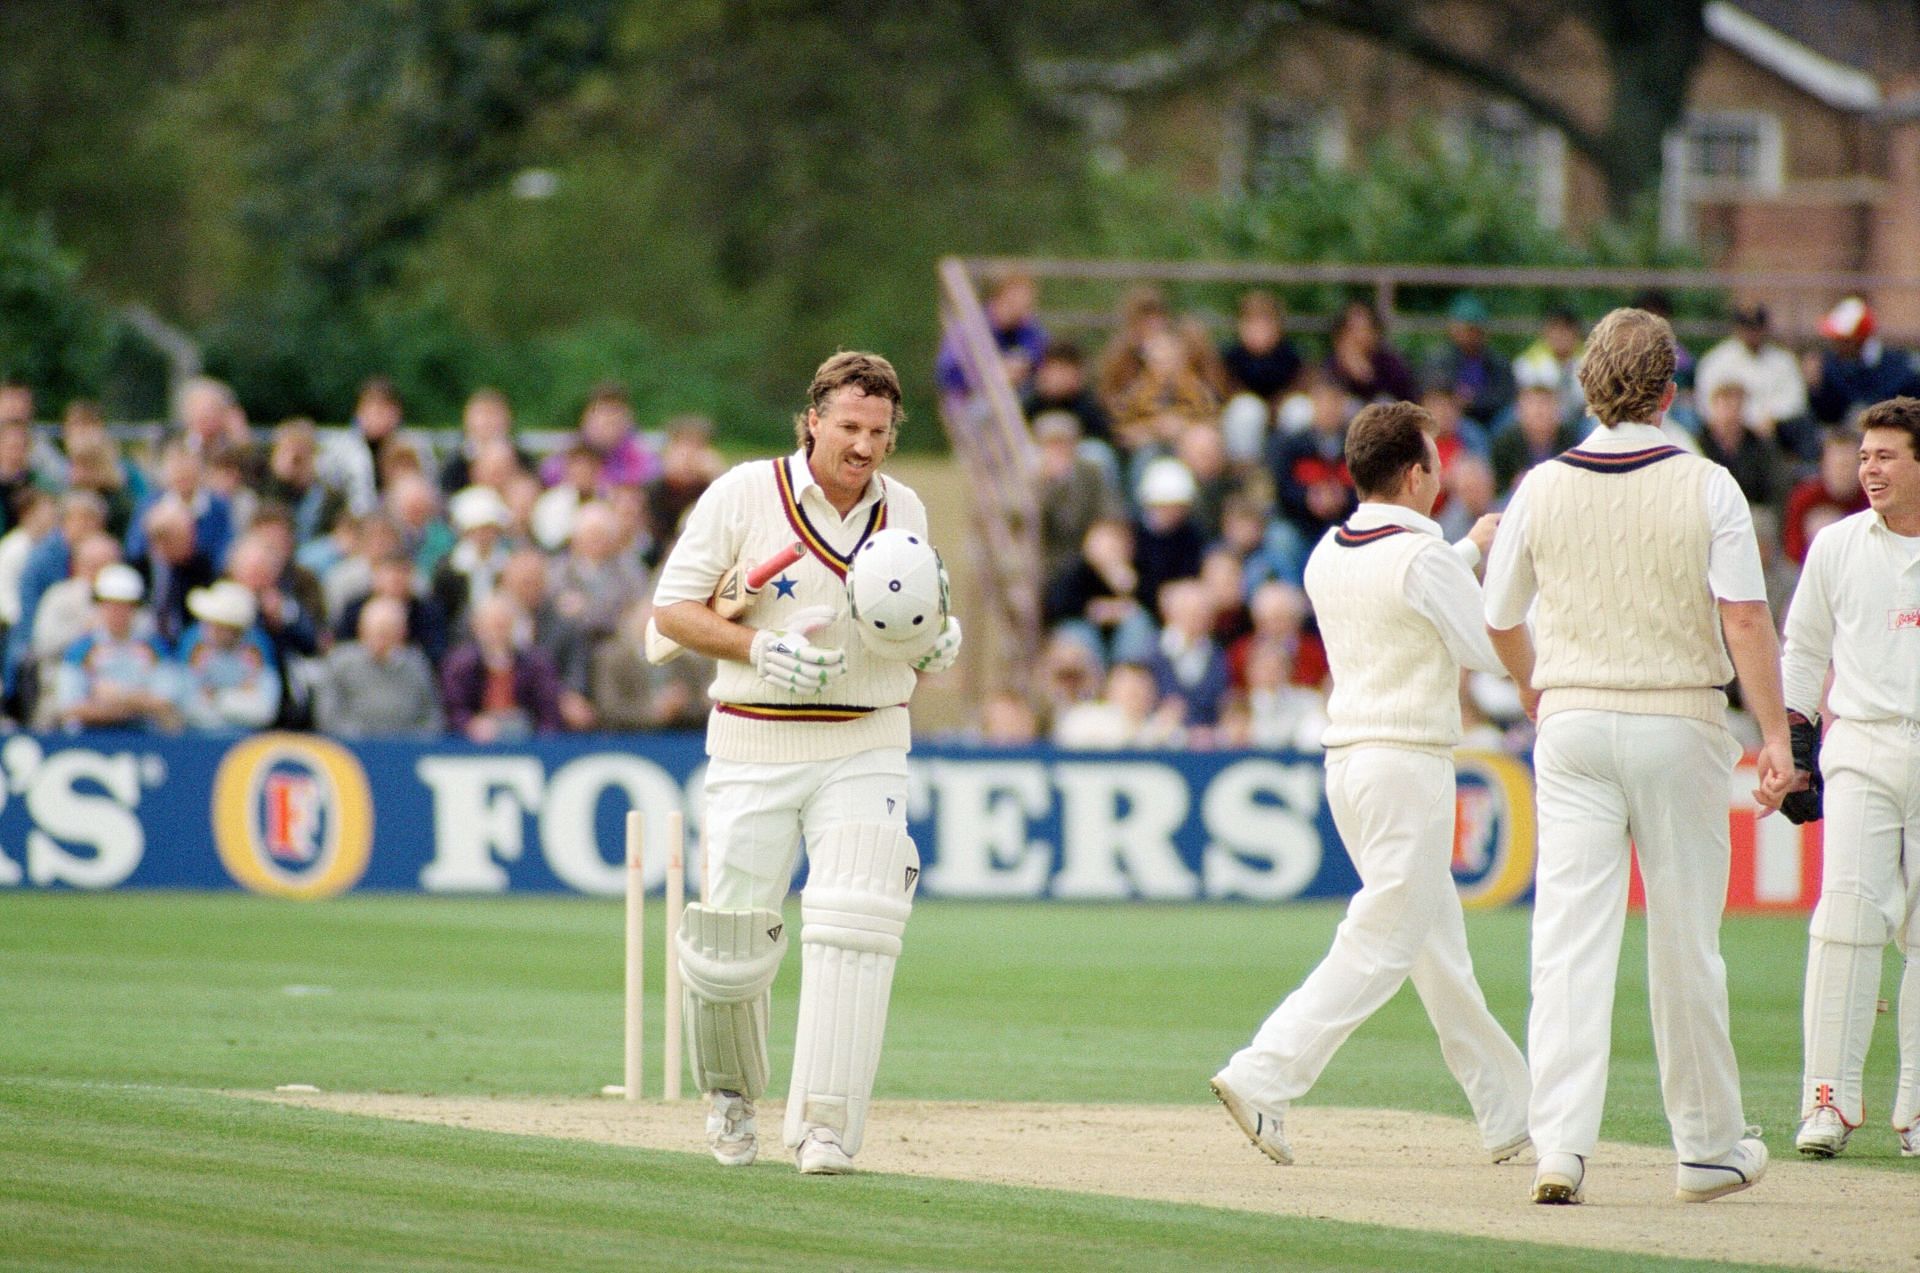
{"x": 748, "y": 515}
{"x": 1625, "y": 619}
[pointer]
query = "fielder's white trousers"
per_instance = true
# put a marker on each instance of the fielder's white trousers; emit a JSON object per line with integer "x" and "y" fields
{"x": 757, "y": 814}
{"x": 1871, "y": 867}
{"x": 1395, "y": 812}
{"x": 1602, "y": 778}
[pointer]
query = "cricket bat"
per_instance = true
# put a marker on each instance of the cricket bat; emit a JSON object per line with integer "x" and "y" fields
{"x": 738, "y": 589}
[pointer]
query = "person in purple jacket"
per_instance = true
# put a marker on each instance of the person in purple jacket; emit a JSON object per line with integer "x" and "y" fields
{"x": 494, "y": 689}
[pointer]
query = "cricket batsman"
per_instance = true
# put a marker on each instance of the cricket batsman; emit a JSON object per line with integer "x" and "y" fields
{"x": 808, "y": 739}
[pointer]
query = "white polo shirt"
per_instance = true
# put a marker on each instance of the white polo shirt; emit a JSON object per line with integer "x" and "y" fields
{"x": 1857, "y": 606}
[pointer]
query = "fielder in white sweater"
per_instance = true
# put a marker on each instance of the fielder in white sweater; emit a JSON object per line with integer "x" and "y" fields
{"x": 1400, "y": 613}
{"x": 808, "y": 738}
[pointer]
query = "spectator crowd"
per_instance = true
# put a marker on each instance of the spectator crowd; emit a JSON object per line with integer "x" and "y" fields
{"x": 1185, "y": 481}
{"x": 220, "y": 577}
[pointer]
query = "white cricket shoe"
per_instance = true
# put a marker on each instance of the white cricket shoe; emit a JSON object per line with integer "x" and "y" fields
{"x": 1909, "y": 1140}
{"x": 1824, "y": 1134}
{"x": 1741, "y": 1169}
{"x": 1507, "y": 1151}
{"x": 730, "y": 1131}
{"x": 1560, "y": 1179}
{"x": 1266, "y": 1130}
{"x": 820, "y": 1154}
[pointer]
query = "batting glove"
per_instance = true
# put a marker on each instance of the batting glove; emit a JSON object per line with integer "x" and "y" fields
{"x": 787, "y": 660}
{"x": 1804, "y": 736}
{"x": 945, "y": 651}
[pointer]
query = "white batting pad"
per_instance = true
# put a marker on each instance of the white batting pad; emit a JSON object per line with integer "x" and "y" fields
{"x": 728, "y": 959}
{"x": 1843, "y": 983}
{"x": 859, "y": 892}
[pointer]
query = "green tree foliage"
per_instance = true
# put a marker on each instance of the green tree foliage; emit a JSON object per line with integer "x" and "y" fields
{"x": 52, "y": 334}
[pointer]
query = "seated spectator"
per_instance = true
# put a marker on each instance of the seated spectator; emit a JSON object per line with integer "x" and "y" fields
{"x": 94, "y": 465}
{"x": 227, "y": 479}
{"x": 227, "y": 677}
{"x": 183, "y": 480}
{"x": 1204, "y": 451}
{"x": 394, "y": 578}
{"x": 81, "y": 424}
{"x": 272, "y": 525}
{"x": 293, "y": 480}
{"x": 65, "y": 613}
{"x": 1017, "y": 333}
{"x": 1537, "y": 433}
{"x": 1060, "y": 384}
{"x": 630, "y": 694}
{"x": 82, "y": 514}
{"x": 1008, "y": 720}
{"x": 1729, "y": 441}
{"x": 1261, "y": 358}
{"x": 1246, "y": 423}
{"x": 1281, "y": 621}
{"x": 414, "y": 505}
{"x": 579, "y": 485}
{"x": 495, "y": 689}
{"x": 607, "y": 430}
{"x": 378, "y": 685}
{"x": 498, "y": 465}
{"x": 1360, "y": 361}
{"x": 114, "y": 676}
{"x": 1828, "y": 495}
{"x": 1070, "y": 673}
{"x": 1167, "y": 540}
{"x": 17, "y": 474}
{"x": 688, "y": 465}
{"x": 1098, "y": 596}
{"x": 293, "y": 633}
{"x": 38, "y": 516}
{"x": 374, "y": 539}
{"x": 596, "y": 582}
{"x": 486, "y": 421}
{"x": 175, "y": 566}
{"x": 540, "y": 623}
{"x": 1455, "y": 433}
{"x": 472, "y": 570}
{"x": 16, "y": 401}
{"x": 1130, "y": 715}
{"x": 211, "y": 419}
{"x": 1468, "y": 493}
{"x": 1225, "y": 582}
{"x": 1143, "y": 316}
{"x": 1074, "y": 491}
{"x": 351, "y": 459}
{"x": 1776, "y": 393}
{"x": 1187, "y": 664}
{"x": 1282, "y": 715}
{"x": 1479, "y": 381}
{"x": 1309, "y": 466}
{"x": 1268, "y": 547}
{"x": 1553, "y": 361}
{"x": 1857, "y": 370}
{"x": 1172, "y": 381}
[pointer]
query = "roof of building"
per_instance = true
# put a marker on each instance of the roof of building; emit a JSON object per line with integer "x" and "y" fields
{"x": 1814, "y": 39}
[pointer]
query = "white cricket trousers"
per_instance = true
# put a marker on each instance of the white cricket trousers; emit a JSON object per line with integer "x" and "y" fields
{"x": 757, "y": 814}
{"x": 1395, "y": 812}
{"x": 1602, "y": 778}
{"x": 1869, "y": 892}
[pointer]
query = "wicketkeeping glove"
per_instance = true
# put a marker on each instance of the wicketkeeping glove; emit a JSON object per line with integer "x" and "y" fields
{"x": 787, "y": 660}
{"x": 946, "y": 649}
{"x": 1804, "y": 737}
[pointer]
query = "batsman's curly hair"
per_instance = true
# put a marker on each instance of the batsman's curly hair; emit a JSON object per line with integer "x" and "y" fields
{"x": 869, "y": 373}
{"x": 1629, "y": 364}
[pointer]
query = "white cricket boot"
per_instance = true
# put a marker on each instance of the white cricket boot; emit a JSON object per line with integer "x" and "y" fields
{"x": 730, "y": 1131}
{"x": 1824, "y": 1133}
{"x": 820, "y": 1154}
{"x": 1909, "y": 1141}
{"x": 1740, "y": 1169}
{"x": 1507, "y": 1151}
{"x": 1560, "y": 1180}
{"x": 1266, "y": 1129}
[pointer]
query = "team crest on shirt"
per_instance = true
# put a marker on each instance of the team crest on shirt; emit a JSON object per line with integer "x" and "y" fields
{"x": 1906, "y": 618}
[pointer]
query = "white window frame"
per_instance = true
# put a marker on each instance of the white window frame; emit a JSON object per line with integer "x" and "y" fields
{"x": 1680, "y": 189}
{"x": 1545, "y": 162}
{"x": 1237, "y": 164}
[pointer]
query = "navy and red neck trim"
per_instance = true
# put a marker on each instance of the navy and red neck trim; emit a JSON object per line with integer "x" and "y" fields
{"x": 1617, "y": 461}
{"x": 1347, "y": 537}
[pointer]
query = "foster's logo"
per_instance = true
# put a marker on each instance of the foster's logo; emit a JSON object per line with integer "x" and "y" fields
{"x": 293, "y": 816}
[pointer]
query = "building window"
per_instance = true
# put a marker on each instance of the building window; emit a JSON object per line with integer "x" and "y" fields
{"x": 1269, "y": 143}
{"x": 1718, "y": 156}
{"x": 1535, "y": 157}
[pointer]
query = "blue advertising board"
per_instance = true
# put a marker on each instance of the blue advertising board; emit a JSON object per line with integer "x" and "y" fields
{"x": 304, "y": 816}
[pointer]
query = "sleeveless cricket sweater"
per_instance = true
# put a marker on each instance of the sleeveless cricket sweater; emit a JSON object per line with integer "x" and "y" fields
{"x": 1624, "y": 620}
{"x": 1395, "y": 684}
{"x": 758, "y": 508}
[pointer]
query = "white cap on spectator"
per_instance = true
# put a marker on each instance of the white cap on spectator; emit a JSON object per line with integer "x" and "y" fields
{"x": 478, "y": 506}
{"x": 1536, "y": 373}
{"x": 1244, "y": 423}
{"x": 224, "y": 602}
{"x": 118, "y": 582}
{"x": 1166, "y": 481}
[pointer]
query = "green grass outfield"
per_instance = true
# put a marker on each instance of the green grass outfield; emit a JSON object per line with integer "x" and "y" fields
{"x": 120, "y": 1016}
